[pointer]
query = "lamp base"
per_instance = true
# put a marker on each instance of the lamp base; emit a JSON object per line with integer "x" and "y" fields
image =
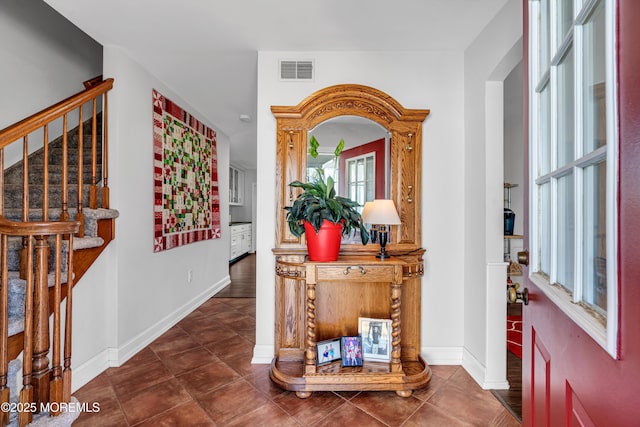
{"x": 383, "y": 254}
{"x": 383, "y": 234}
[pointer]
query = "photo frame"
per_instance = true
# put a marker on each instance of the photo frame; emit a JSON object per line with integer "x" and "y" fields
{"x": 351, "y": 351}
{"x": 327, "y": 351}
{"x": 376, "y": 339}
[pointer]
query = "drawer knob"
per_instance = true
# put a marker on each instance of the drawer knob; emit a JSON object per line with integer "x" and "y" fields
{"x": 359, "y": 267}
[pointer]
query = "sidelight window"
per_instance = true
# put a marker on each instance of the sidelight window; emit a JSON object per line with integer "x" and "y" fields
{"x": 573, "y": 155}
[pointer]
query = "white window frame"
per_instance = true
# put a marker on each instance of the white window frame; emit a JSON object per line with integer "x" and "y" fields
{"x": 348, "y": 182}
{"x": 604, "y": 334}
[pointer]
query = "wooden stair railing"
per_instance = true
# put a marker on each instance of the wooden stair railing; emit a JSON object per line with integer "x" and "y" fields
{"x": 41, "y": 384}
{"x": 41, "y": 120}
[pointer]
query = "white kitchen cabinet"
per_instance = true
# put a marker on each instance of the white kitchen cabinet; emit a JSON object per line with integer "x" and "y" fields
{"x": 236, "y": 186}
{"x": 240, "y": 240}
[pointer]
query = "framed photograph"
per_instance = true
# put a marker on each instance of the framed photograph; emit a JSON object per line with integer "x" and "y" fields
{"x": 328, "y": 351}
{"x": 376, "y": 338}
{"x": 351, "y": 351}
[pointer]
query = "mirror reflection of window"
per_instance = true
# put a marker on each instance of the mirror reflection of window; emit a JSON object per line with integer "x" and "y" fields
{"x": 361, "y": 183}
{"x": 362, "y": 137}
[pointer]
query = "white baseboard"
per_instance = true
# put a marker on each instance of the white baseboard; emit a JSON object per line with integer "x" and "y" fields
{"x": 478, "y": 372}
{"x": 262, "y": 354}
{"x": 114, "y": 357}
{"x": 442, "y": 355}
{"x": 92, "y": 368}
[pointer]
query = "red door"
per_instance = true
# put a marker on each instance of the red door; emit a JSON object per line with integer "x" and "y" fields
{"x": 568, "y": 379}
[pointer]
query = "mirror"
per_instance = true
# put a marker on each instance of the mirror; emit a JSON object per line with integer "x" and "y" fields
{"x": 401, "y": 168}
{"x": 363, "y": 167}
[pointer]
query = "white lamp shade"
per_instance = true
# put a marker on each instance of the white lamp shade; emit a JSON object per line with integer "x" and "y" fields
{"x": 365, "y": 211}
{"x": 380, "y": 211}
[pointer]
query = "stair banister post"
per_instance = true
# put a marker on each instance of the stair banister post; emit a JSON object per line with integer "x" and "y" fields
{"x": 25, "y": 203}
{"x": 26, "y": 394}
{"x": 4, "y": 332}
{"x": 80, "y": 213}
{"x": 66, "y": 373}
{"x": 41, "y": 371}
{"x": 55, "y": 395}
{"x": 93, "y": 192}
{"x": 105, "y": 154}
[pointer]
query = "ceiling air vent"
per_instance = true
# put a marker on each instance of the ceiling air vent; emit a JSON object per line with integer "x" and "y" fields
{"x": 296, "y": 70}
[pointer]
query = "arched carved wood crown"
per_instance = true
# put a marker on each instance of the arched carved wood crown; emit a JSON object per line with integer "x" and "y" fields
{"x": 405, "y": 127}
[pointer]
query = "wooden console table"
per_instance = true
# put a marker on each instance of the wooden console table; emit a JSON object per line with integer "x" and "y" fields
{"x": 334, "y": 295}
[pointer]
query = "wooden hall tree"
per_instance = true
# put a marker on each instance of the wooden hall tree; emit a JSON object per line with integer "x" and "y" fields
{"x": 320, "y": 301}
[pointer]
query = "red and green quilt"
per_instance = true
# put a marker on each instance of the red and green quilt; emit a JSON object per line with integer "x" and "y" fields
{"x": 186, "y": 201}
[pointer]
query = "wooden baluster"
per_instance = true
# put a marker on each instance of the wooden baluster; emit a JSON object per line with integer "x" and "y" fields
{"x": 2, "y": 181}
{"x": 66, "y": 375}
{"x": 26, "y": 394}
{"x": 4, "y": 332}
{"x": 105, "y": 154}
{"x": 56, "y": 368}
{"x": 45, "y": 176}
{"x": 80, "y": 213}
{"x": 41, "y": 370}
{"x": 64, "y": 215}
{"x": 93, "y": 192}
{"x": 25, "y": 203}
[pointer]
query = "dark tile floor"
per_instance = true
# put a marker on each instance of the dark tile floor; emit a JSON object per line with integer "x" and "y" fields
{"x": 199, "y": 373}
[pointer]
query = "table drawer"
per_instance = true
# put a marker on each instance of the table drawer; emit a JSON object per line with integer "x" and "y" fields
{"x": 356, "y": 273}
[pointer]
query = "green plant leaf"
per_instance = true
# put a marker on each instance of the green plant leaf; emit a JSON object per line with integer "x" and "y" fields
{"x": 313, "y": 147}
{"x": 339, "y": 148}
{"x": 329, "y": 188}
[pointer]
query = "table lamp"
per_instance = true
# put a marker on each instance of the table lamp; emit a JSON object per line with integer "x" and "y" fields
{"x": 381, "y": 213}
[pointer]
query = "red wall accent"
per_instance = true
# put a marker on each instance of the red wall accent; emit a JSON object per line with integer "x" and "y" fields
{"x": 374, "y": 146}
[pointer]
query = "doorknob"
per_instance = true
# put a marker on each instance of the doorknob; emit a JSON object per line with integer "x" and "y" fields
{"x": 523, "y": 257}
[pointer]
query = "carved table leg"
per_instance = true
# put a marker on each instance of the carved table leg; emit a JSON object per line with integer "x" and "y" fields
{"x": 396, "y": 364}
{"x": 404, "y": 393}
{"x": 310, "y": 352}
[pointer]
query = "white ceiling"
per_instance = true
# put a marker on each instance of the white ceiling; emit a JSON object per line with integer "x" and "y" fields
{"x": 214, "y": 44}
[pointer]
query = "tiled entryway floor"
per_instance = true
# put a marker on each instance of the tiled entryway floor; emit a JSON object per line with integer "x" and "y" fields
{"x": 199, "y": 373}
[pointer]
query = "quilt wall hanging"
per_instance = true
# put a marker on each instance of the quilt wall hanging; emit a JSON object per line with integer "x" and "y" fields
{"x": 186, "y": 200}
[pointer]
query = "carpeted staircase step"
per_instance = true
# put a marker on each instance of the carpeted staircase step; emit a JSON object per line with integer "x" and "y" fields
{"x": 36, "y": 173}
{"x": 13, "y": 195}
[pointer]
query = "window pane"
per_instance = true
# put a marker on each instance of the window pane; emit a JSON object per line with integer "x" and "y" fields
{"x": 595, "y": 234}
{"x": 593, "y": 64}
{"x": 371, "y": 176}
{"x": 565, "y": 231}
{"x": 544, "y": 144}
{"x": 565, "y": 109}
{"x": 543, "y": 38}
{"x": 544, "y": 227}
{"x": 360, "y": 171}
{"x": 564, "y": 18}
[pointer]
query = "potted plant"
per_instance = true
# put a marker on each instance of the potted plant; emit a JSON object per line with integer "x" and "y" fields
{"x": 324, "y": 216}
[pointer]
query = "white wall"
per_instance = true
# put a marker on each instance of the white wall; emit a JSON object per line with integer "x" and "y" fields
{"x": 45, "y": 59}
{"x": 487, "y": 62}
{"x": 432, "y": 80}
{"x": 132, "y": 294}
